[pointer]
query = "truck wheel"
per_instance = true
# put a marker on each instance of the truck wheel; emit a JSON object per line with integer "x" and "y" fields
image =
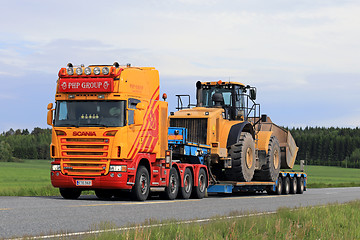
{"x": 171, "y": 191}
{"x": 185, "y": 192}
{"x": 286, "y": 186}
{"x": 70, "y": 193}
{"x": 270, "y": 170}
{"x": 104, "y": 194}
{"x": 140, "y": 190}
{"x": 279, "y": 186}
{"x": 243, "y": 159}
{"x": 293, "y": 185}
{"x": 200, "y": 189}
{"x": 300, "y": 185}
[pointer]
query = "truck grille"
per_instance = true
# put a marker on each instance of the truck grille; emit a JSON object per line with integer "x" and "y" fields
{"x": 85, "y": 156}
{"x": 197, "y": 128}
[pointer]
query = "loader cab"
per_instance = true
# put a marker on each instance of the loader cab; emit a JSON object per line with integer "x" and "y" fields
{"x": 230, "y": 96}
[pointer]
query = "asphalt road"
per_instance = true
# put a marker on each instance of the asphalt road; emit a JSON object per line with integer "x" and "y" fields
{"x": 33, "y": 216}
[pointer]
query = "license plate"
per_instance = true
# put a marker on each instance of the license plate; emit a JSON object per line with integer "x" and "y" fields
{"x": 83, "y": 182}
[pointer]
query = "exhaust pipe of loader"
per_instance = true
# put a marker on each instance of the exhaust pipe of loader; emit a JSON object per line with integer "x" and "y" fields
{"x": 198, "y": 94}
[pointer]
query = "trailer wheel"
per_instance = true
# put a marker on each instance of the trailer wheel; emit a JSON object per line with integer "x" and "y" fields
{"x": 300, "y": 185}
{"x": 286, "y": 186}
{"x": 140, "y": 190}
{"x": 171, "y": 191}
{"x": 279, "y": 186}
{"x": 185, "y": 192}
{"x": 200, "y": 189}
{"x": 104, "y": 194}
{"x": 70, "y": 193}
{"x": 243, "y": 159}
{"x": 271, "y": 168}
{"x": 293, "y": 185}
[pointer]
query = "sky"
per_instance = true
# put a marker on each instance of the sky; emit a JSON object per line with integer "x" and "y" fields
{"x": 302, "y": 56}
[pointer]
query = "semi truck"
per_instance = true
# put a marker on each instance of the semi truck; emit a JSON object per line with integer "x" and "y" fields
{"x": 111, "y": 133}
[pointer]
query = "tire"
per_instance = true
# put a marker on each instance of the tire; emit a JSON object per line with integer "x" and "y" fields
{"x": 286, "y": 186}
{"x": 279, "y": 186}
{"x": 185, "y": 192}
{"x": 171, "y": 191}
{"x": 200, "y": 190}
{"x": 141, "y": 189}
{"x": 293, "y": 185}
{"x": 270, "y": 169}
{"x": 300, "y": 186}
{"x": 104, "y": 194}
{"x": 243, "y": 159}
{"x": 70, "y": 193}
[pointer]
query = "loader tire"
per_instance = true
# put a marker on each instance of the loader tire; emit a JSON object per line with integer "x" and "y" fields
{"x": 243, "y": 159}
{"x": 270, "y": 170}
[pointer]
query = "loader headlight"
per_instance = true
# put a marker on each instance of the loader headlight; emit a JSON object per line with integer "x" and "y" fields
{"x": 55, "y": 167}
{"x": 118, "y": 168}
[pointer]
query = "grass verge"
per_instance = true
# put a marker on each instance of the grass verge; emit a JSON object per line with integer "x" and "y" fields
{"x": 336, "y": 221}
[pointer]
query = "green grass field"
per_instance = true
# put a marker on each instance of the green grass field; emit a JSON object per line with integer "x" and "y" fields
{"x": 29, "y": 178}
{"x": 337, "y": 221}
{"x": 32, "y": 178}
{"x": 323, "y": 176}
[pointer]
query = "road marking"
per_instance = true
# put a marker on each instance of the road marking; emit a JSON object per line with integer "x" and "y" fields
{"x": 64, "y": 235}
{"x": 258, "y": 197}
{"x": 135, "y": 203}
{"x": 4, "y": 209}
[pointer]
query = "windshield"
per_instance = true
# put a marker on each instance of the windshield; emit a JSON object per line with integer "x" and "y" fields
{"x": 209, "y": 92}
{"x": 90, "y": 114}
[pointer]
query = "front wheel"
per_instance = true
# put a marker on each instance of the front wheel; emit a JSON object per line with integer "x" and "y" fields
{"x": 200, "y": 189}
{"x": 141, "y": 189}
{"x": 70, "y": 193}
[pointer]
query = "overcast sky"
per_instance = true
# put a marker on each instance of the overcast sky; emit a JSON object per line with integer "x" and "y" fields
{"x": 303, "y": 56}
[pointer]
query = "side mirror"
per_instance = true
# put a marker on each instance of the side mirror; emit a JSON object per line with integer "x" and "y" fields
{"x": 253, "y": 93}
{"x": 138, "y": 117}
{"x": 50, "y": 114}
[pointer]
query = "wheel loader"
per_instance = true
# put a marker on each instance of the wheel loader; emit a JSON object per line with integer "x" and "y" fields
{"x": 245, "y": 145}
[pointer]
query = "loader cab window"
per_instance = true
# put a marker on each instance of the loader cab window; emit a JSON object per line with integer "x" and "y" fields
{"x": 132, "y": 102}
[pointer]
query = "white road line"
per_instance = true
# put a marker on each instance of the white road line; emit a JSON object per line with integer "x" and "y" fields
{"x": 63, "y": 235}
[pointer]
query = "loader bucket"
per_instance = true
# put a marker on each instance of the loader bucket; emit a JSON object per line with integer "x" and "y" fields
{"x": 287, "y": 143}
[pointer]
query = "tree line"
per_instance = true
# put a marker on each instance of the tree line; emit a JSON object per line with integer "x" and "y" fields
{"x": 328, "y": 146}
{"x": 23, "y": 144}
{"x": 318, "y": 146}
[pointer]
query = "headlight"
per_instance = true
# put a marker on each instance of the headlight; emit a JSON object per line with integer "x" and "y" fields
{"x": 79, "y": 71}
{"x": 70, "y": 71}
{"x": 105, "y": 70}
{"x": 55, "y": 167}
{"x": 117, "y": 168}
{"x": 96, "y": 70}
{"x": 87, "y": 71}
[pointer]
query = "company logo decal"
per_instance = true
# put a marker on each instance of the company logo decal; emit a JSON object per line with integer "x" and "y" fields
{"x": 79, "y": 134}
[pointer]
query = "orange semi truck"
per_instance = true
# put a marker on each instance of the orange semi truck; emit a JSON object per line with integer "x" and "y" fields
{"x": 111, "y": 133}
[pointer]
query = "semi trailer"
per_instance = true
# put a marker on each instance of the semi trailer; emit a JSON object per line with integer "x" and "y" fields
{"x": 111, "y": 133}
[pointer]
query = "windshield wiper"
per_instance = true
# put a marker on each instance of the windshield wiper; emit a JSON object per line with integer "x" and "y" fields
{"x": 66, "y": 125}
